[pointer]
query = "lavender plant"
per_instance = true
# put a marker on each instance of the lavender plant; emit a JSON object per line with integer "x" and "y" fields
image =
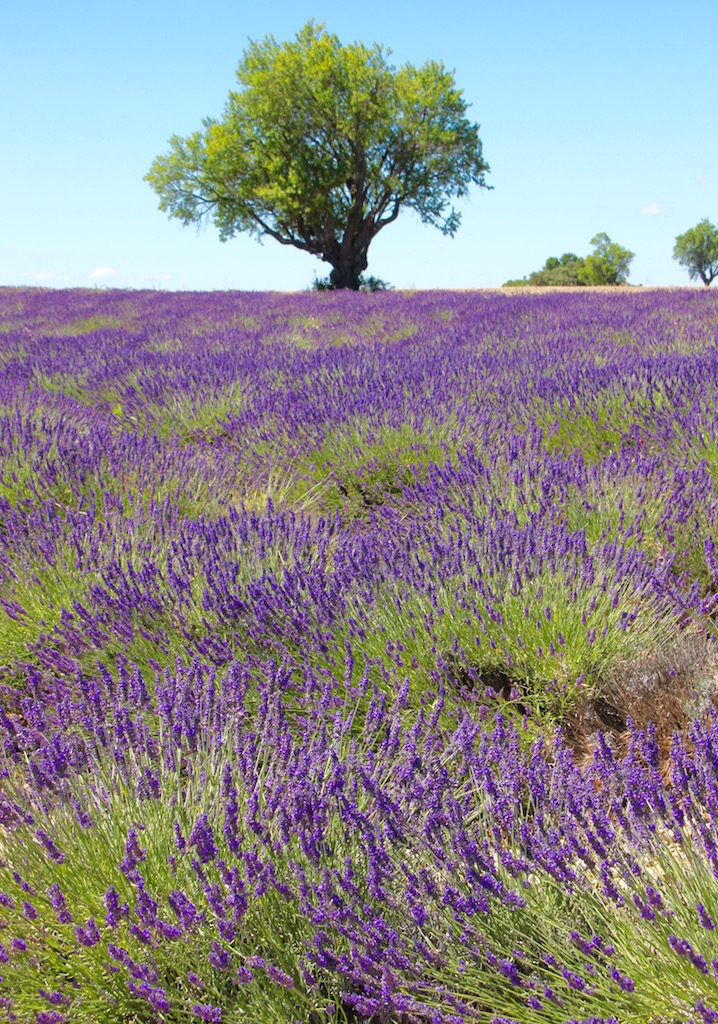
{"x": 297, "y": 594}
{"x": 177, "y": 855}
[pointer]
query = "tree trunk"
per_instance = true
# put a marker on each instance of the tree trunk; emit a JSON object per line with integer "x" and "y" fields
{"x": 346, "y": 273}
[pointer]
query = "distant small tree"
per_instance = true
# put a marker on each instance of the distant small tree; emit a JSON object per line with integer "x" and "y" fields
{"x": 322, "y": 147}
{"x": 607, "y": 264}
{"x": 557, "y": 271}
{"x": 697, "y": 251}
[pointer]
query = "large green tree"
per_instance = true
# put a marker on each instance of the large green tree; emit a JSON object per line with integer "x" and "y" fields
{"x": 321, "y": 147}
{"x": 697, "y": 251}
{"x": 608, "y": 263}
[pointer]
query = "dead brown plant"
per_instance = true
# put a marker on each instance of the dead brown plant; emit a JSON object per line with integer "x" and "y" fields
{"x": 669, "y": 688}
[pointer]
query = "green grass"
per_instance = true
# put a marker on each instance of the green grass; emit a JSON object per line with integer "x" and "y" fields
{"x": 363, "y": 466}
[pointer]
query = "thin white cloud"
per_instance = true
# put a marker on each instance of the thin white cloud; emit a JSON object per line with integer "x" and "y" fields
{"x": 652, "y": 209}
{"x": 159, "y": 277}
{"x": 703, "y": 180}
{"x": 99, "y": 273}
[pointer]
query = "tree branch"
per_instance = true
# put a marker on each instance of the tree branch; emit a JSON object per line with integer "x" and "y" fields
{"x": 282, "y": 239}
{"x": 392, "y": 216}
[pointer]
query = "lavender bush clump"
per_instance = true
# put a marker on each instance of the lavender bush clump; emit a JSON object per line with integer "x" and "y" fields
{"x": 314, "y": 614}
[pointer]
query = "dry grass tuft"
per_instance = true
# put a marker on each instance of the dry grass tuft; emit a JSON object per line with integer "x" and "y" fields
{"x": 670, "y": 688}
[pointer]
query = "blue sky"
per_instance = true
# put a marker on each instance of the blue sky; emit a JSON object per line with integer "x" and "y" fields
{"x": 594, "y": 117}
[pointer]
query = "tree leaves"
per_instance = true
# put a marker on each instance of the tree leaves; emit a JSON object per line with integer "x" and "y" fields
{"x": 697, "y": 251}
{"x": 322, "y": 146}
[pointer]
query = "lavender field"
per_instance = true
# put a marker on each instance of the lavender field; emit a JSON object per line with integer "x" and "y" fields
{"x": 358, "y": 657}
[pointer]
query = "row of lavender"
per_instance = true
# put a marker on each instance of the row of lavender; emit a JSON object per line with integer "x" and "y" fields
{"x": 269, "y": 566}
{"x": 191, "y": 487}
{"x": 185, "y": 856}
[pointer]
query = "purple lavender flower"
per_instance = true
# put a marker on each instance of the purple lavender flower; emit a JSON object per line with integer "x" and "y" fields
{"x": 207, "y": 1012}
{"x": 573, "y": 980}
{"x": 226, "y": 930}
{"x": 705, "y": 918}
{"x": 183, "y": 907}
{"x": 646, "y": 912}
{"x": 89, "y": 935}
{"x": 279, "y": 977}
{"x": 179, "y": 838}
{"x": 52, "y": 851}
{"x": 158, "y": 1000}
{"x": 134, "y": 853}
{"x": 623, "y": 981}
{"x": 143, "y": 935}
{"x": 168, "y": 931}
{"x": 219, "y": 957}
{"x": 119, "y": 953}
{"x": 709, "y": 1016}
{"x": 116, "y": 911}
{"x": 57, "y": 902}
{"x": 56, "y": 998}
{"x": 145, "y": 906}
{"x": 202, "y": 838}
{"x": 654, "y": 898}
{"x": 683, "y": 948}
{"x": 22, "y": 882}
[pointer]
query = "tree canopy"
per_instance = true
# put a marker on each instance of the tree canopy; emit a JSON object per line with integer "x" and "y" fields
{"x": 557, "y": 271}
{"x": 697, "y": 251}
{"x": 607, "y": 264}
{"x": 321, "y": 147}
